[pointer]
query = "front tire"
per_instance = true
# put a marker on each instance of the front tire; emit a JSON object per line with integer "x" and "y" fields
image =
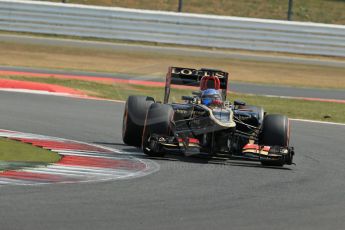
{"x": 158, "y": 122}
{"x": 134, "y": 119}
{"x": 275, "y": 132}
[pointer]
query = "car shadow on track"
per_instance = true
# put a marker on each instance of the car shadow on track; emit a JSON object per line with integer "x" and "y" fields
{"x": 209, "y": 160}
{"x": 196, "y": 159}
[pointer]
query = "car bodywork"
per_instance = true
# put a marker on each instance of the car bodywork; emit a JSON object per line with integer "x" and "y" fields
{"x": 233, "y": 129}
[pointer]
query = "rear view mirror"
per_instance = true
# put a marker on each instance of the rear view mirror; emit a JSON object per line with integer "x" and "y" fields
{"x": 197, "y": 93}
{"x": 187, "y": 98}
{"x": 239, "y": 103}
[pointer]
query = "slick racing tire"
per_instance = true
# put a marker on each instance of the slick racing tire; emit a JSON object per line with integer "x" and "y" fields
{"x": 158, "y": 122}
{"x": 134, "y": 119}
{"x": 275, "y": 132}
{"x": 257, "y": 109}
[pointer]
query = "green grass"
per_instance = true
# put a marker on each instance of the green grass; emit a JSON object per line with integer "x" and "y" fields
{"x": 294, "y": 108}
{"x": 152, "y": 63}
{"x": 325, "y": 11}
{"x": 15, "y": 151}
{"x": 291, "y": 107}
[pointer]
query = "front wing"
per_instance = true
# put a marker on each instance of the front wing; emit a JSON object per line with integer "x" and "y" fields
{"x": 191, "y": 146}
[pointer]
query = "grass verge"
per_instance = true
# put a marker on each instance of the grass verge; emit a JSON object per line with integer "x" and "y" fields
{"x": 330, "y": 11}
{"x": 291, "y": 107}
{"x": 156, "y": 64}
{"x": 15, "y": 151}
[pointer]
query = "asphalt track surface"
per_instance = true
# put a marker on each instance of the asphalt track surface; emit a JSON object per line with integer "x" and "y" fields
{"x": 186, "y": 193}
{"x": 336, "y": 94}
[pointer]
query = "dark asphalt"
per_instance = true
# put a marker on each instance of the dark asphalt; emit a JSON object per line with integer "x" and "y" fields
{"x": 182, "y": 195}
{"x": 234, "y": 86}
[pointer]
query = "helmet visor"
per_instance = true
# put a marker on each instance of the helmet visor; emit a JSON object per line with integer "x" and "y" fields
{"x": 207, "y": 101}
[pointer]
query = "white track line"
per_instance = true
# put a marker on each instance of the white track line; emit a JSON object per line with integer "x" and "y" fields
{"x": 87, "y": 154}
{"x": 85, "y": 169}
{"x": 42, "y": 92}
{"x": 67, "y": 171}
{"x": 5, "y": 181}
{"x": 318, "y": 122}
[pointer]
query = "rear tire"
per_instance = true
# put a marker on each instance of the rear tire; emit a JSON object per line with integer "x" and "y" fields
{"x": 275, "y": 132}
{"x": 158, "y": 121}
{"x": 134, "y": 119}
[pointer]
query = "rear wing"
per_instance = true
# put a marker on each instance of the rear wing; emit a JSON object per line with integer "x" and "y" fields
{"x": 192, "y": 77}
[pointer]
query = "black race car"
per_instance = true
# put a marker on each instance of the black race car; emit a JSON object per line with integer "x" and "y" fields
{"x": 191, "y": 127}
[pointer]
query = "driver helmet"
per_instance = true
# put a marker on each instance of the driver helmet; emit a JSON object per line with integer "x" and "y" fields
{"x": 211, "y": 97}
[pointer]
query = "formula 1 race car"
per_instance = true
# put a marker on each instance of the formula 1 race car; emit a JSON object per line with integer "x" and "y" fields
{"x": 205, "y": 122}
